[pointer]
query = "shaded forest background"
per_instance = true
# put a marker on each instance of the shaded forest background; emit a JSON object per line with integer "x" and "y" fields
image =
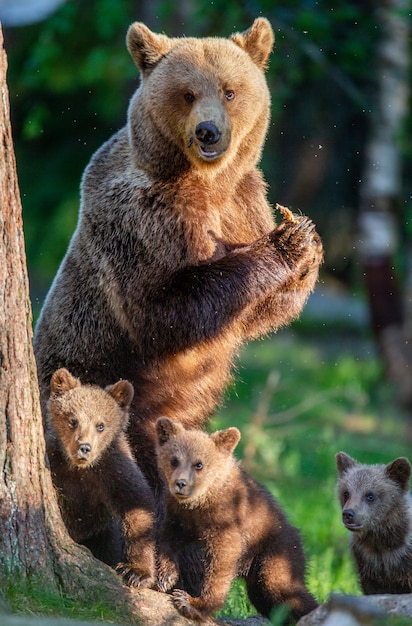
{"x": 70, "y": 79}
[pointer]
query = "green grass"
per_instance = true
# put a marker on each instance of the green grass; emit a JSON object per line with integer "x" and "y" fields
{"x": 33, "y": 599}
{"x": 299, "y": 398}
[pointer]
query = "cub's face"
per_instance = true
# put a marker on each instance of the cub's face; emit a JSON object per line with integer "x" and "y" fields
{"x": 87, "y": 419}
{"x": 369, "y": 494}
{"x": 194, "y": 465}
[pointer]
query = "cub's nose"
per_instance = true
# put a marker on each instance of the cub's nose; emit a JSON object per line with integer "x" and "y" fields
{"x": 85, "y": 448}
{"x": 180, "y": 484}
{"x": 208, "y": 133}
{"x": 348, "y": 515}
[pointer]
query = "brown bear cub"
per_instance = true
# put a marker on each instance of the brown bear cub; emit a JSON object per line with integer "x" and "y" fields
{"x": 377, "y": 509}
{"x": 176, "y": 259}
{"x": 105, "y": 501}
{"x": 218, "y": 523}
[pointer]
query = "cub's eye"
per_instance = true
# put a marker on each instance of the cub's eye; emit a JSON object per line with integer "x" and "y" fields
{"x": 100, "y": 427}
{"x": 189, "y": 97}
{"x": 174, "y": 462}
{"x": 73, "y": 422}
{"x": 345, "y": 495}
{"x": 229, "y": 94}
{"x": 370, "y": 496}
{"x": 198, "y": 466}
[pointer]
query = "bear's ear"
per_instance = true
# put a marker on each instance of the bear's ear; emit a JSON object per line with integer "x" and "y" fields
{"x": 226, "y": 439}
{"x": 146, "y": 48}
{"x": 167, "y": 428}
{"x": 122, "y": 392}
{"x": 399, "y": 471}
{"x": 63, "y": 381}
{"x": 344, "y": 462}
{"x": 257, "y": 41}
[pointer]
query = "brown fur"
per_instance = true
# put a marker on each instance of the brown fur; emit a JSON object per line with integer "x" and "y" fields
{"x": 218, "y": 524}
{"x": 104, "y": 498}
{"x": 377, "y": 509}
{"x": 176, "y": 259}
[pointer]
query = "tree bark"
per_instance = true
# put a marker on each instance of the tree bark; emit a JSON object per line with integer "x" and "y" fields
{"x": 34, "y": 545}
{"x": 380, "y": 194}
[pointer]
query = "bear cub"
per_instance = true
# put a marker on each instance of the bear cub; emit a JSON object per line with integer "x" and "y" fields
{"x": 218, "y": 523}
{"x": 377, "y": 509}
{"x": 105, "y": 501}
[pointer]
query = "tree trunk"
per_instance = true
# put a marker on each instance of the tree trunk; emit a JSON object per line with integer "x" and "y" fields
{"x": 34, "y": 545}
{"x": 380, "y": 194}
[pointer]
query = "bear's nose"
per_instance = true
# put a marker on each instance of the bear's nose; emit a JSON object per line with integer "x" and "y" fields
{"x": 85, "y": 448}
{"x": 180, "y": 483}
{"x": 208, "y": 133}
{"x": 348, "y": 515}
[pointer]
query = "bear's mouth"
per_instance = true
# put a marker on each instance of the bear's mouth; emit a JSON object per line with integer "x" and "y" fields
{"x": 353, "y": 527}
{"x": 206, "y": 152}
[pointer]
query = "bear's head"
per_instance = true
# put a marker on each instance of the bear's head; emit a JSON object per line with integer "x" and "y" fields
{"x": 85, "y": 418}
{"x": 369, "y": 494}
{"x": 194, "y": 465}
{"x": 202, "y": 102}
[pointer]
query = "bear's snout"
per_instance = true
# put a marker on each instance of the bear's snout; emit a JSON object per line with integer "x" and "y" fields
{"x": 207, "y": 133}
{"x": 349, "y": 519}
{"x": 84, "y": 449}
{"x": 180, "y": 484}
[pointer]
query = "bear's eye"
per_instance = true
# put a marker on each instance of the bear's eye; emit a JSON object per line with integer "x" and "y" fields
{"x": 229, "y": 94}
{"x": 345, "y": 496}
{"x": 174, "y": 462}
{"x": 370, "y": 496}
{"x": 73, "y": 422}
{"x": 189, "y": 97}
{"x": 100, "y": 427}
{"x": 198, "y": 466}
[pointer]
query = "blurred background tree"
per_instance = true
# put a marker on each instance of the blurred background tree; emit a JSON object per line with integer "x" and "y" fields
{"x": 70, "y": 80}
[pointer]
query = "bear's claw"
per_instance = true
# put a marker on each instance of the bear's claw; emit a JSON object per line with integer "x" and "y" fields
{"x": 182, "y": 602}
{"x": 134, "y": 576}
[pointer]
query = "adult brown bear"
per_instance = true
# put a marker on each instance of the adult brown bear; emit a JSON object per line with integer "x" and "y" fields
{"x": 176, "y": 259}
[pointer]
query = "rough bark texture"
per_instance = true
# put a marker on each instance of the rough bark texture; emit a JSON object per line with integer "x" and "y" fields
{"x": 34, "y": 546}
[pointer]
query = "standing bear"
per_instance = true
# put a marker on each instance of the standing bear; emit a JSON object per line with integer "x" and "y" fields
{"x": 218, "y": 523}
{"x": 176, "y": 259}
{"x": 105, "y": 501}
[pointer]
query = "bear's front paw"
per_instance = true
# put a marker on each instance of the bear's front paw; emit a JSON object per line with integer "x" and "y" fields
{"x": 293, "y": 238}
{"x": 167, "y": 576}
{"x": 135, "y": 576}
{"x": 183, "y": 602}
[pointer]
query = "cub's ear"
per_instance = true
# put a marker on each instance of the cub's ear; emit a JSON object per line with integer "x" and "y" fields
{"x": 226, "y": 439}
{"x": 344, "y": 462}
{"x": 167, "y": 428}
{"x": 399, "y": 471}
{"x": 63, "y": 381}
{"x": 122, "y": 392}
{"x": 257, "y": 41}
{"x": 145, "y": 47}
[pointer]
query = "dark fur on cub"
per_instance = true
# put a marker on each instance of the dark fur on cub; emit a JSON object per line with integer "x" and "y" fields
{"x": 218, "y": 524}
{"x": 105, "y": 501}
{"x": 176, "y": 259}
{"x": 377, "y": 509}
